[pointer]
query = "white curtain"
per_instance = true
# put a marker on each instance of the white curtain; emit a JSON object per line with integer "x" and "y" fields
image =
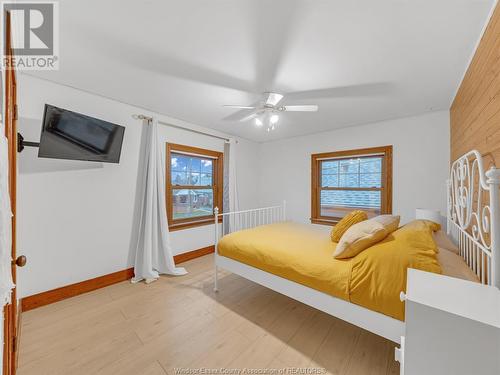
{"x": 231, "y": 202}
{"x": 154, "y": 253}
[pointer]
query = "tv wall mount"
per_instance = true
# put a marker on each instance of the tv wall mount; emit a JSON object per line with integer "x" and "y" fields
{"x": 21, "y": 143}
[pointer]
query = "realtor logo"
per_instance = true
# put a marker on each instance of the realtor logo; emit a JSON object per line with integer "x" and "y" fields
{"x": 35, "y": 35}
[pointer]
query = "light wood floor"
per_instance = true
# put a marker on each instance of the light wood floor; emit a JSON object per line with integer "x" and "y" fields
{"x": 180, "y": 323}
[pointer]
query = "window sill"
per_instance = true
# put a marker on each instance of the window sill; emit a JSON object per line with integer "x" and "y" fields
{"x": 191, "y": 224}
{"x": 331, "y": 222}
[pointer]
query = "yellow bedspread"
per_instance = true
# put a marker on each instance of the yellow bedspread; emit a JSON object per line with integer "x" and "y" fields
{"x": 303, "y": 253}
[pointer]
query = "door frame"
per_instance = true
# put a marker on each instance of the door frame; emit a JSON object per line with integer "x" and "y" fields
{"x": 10, "y": 124}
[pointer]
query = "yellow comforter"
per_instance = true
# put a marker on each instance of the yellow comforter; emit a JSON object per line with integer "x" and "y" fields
{"x": 304, "y": 254}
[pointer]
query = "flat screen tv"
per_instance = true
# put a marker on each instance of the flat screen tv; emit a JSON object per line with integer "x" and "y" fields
{"x": 71, "y": 135}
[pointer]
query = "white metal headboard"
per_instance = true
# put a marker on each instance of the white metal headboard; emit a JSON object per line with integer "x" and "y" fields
{"x": 473, "y": 215}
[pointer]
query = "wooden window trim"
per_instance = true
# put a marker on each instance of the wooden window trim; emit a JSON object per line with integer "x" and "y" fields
{"x": 217, "y": 185}
{"x": 386, "y": 188}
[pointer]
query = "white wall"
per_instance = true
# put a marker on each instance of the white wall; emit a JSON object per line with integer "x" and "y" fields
{"x": 420, "y": 165}
{"x": 77, "y": 220}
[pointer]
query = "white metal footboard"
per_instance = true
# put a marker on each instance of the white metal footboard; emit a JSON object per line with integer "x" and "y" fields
{"x": 473, "y": 215}
{"x": 375, "y": 322}
{"x": 240, "y": 220}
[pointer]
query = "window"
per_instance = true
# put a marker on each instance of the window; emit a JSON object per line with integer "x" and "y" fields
{"x": 348, "y": 180}
{"x": 194, "y": 185}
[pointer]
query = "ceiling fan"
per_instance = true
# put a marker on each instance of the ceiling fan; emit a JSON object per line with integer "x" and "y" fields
{"x": 268, "y": 110}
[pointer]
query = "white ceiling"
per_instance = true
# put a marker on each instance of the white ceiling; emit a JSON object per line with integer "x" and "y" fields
{"x": 360, "y": 60}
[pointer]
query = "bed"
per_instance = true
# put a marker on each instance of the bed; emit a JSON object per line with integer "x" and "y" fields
{"x": 296, "y": 259}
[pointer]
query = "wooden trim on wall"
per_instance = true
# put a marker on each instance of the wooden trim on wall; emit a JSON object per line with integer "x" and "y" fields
{"x": 192, "y": 224}
{"x": 353, "y": 153}
{"x": 184, "y": 257}
{"x": 386, "y": 189}
{"x": 10, "y": 317}
{"x": 68, "y": 291}
{"x": 217, "y": 185}
{"x": 73, "y": 290}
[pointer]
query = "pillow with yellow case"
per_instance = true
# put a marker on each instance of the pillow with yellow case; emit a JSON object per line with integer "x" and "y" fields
{"x": 346, "y": 222}
{"x": 362, "y": 235}
{"x": 440, "y": 238}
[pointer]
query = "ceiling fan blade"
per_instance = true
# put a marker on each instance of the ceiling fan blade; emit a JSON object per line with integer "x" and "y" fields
{"x": 250, "y": 116}
{"x": 273, "y": 98}
{"x": 301, "y": 108}
{"x": 353, "y": 91}
{"x": 239, "y": 106}
{"x": 274, "y": 25}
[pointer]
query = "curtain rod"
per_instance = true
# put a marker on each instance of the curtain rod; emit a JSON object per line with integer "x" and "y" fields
{"x": 144, "y": 117}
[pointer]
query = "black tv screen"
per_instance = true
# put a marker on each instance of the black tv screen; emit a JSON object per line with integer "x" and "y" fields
{"x": 71, "y": 135}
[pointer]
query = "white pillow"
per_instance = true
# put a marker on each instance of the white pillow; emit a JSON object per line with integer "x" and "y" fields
{"x": 359, "y": 237}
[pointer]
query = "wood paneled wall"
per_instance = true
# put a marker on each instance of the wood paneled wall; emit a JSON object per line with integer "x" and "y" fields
{"x": 475, "y": 112}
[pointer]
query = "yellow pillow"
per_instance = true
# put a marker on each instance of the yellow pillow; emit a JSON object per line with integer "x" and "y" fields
{"x": 421, "y": 224}
{"x": 346, "y": 222}
{"x": 435, "y": 228}
{"x": 390, "y": 222}
{"x": 360, "y": 237}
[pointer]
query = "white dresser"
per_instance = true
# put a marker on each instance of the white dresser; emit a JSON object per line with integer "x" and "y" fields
{"x": 452, "y": 327}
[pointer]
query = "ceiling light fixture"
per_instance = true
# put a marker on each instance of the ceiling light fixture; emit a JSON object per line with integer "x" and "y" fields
{"x": 266, "y": 112}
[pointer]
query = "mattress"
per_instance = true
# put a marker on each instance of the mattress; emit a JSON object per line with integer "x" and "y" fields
{"x": 453, "y": 265}
{"x": 297, "y": 252}
{"x": 303, "y": 253}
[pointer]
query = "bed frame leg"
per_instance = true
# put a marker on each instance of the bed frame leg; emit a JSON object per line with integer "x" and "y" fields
{"x": 216, "y": 227}
{"x": 216, "y": 288}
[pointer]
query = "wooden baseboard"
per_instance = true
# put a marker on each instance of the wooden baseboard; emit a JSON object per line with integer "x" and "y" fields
{"x": 68, "y": 291}
{"x": 184, "y": 257}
